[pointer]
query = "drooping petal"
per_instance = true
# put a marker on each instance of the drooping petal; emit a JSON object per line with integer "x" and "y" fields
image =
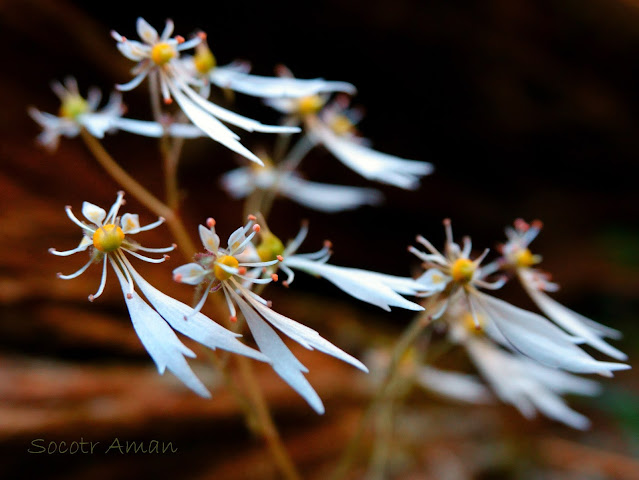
{"x": 305, "y": 336}
{"x": 194, "y": 325}
{"x": 274, "y": 87}
{"x": 155, "y": 130}
{"x": 285, "y": 364}
{"x": 93, "y": 213}
{"x": 372, "y": 164}
{"x": 569, "y": 320}
{"x": 211, "y": 125}
{"x": 325, "y": 197}
{"x": 458, "y": 386}
{"x": 355, "y": 282}
{"x": 537, "y": 338}
{"x": 159, "y": 339}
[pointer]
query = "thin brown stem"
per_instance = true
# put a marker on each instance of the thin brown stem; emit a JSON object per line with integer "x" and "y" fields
{"x": 146, "y": 198}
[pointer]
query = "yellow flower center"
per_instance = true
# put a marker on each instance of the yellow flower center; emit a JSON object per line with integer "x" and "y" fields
{"x": 309, "y": 105}
{"x": 203, "y": 59}
{"x": 270, "y": 247}
{"x": 341, "y": 125}
{"x": 73, "y": 106}
{"x": 162, "y": 52}
{"x": 463, "y": 270}
{"x": 108, "y": 238}
{"x": 227, "y": 260}
{"x": 524, "y": 258}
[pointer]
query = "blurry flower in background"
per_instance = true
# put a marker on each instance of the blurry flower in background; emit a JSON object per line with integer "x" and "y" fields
{"x": 507, "y": 325}
{"x": 378, "y": 289}
{"x": 158, "y": 58}
{"x": 225, "y": 269}
{"x": 107, "y": 236}
{"x": 243, "y": 181}
{"x": 333, "y": 126}
{"x": 236, "y": 77}
{"x": 518, "y": 257}
{"x": 77, "y": 113}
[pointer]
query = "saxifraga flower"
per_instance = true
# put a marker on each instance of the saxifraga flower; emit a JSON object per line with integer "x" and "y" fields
{"x": 223, "y": 269}
{"x": 107, "y": 237}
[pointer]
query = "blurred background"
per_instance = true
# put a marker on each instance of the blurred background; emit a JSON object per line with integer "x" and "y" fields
{"x": 526, "y": 109}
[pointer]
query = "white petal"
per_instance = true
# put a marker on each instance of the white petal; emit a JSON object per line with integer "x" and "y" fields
{"x": 154, "y": 129}
{"x": 146, "y": 32}
{"x": 211, "y": 125}
{"x": 191, "y": 273}
{"x": 130, "y": 223}
{"x": 326, "y": 197}
{"x": 210, "y": 240}
{"x": 569, "y": 320}
{"x": 458, "y": 386}
{"x": 284, "y": 362}
{"x": 305, "y": 336}
{"x": 196, "y": 326}
{"x": 93, "y": 213}
{"x": 159, "y": 340}
{"x": 232, "y": 117}
{"x": 371, "y": 164}
{"x": 274, "y": 87}
{"x": 357, "y": 283}
{"x": 537, "y": 338}
{"x": 434, "y": 280}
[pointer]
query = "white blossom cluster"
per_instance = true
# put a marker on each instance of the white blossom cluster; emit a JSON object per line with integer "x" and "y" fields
{"x": 529, "y": 360}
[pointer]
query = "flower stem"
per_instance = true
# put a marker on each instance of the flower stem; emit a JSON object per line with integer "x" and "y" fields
{"x": 414, "y": 329}
{"x": 145, "y": 197}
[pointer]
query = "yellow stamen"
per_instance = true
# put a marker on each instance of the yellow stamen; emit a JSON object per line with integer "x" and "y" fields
{"x": 471, "y": 325}
{"x": 73, "y": 106}
{"x": 227, "y": 260}
{"x": 463, "y": 270}
{"x": 524, "y": 258}
{"x": 203, "y": 59}
{"x": 270, "y": 247}
{"x": 108, "y": 238}
{"x": 309, "y": 105}
{"x": 341, "y": 125}
{"x": 162, "y": 52}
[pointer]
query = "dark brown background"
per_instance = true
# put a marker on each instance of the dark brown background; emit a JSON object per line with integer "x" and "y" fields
{"x": 526, "y": 109}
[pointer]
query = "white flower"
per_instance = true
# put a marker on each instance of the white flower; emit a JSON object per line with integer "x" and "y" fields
{"x": 242, "y": 181}
{"x": 515, "y": 379}
{"x": 334, "y": 127}
{"x": 158, "y": 57}
{"x": 375, "y": 288}
{"x": 76, "y": 113}
{"x": 235, "y": 77}
{"x": 109, "y": 238}
{"x": 518, "y": 257}
{"x": 521, "y": 330}
{"x": 221, "y": 269}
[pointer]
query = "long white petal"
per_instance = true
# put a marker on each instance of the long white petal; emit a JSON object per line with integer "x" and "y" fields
{"x": 160, "y": 340}
{"x": 372, "y": 164}
{"x": 238, "y": 183}
{"x": 198, "y": 326}
{"x": 211, "y": 125}
{"x": 154, "y": 129}
{"x": 569, "y": 320}
{"x": 232, "y": 117}
{"x": 458, "y": 386}
{"x": 537, "y": 338}
{"x": 285, "y": 364}
{"x": 274, "y": 87}
{"x": 325, "y": 197}
{"x": 355, "y": 282}
{"x": 305, "y": 336}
